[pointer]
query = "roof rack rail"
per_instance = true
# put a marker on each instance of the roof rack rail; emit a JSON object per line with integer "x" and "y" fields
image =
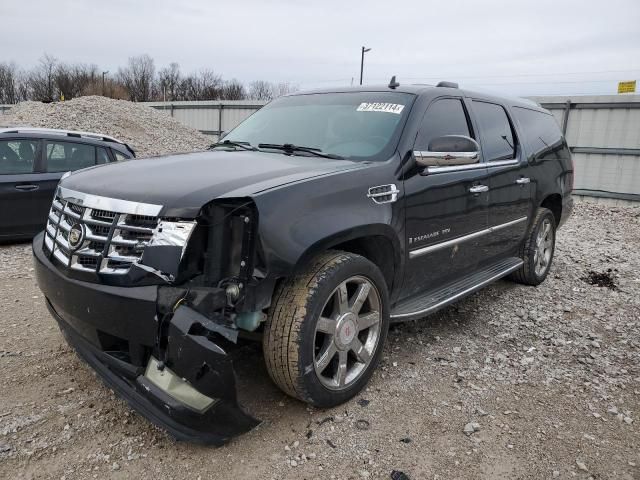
{"x": 68, "y": 133}
{"x": 447, "y": 84}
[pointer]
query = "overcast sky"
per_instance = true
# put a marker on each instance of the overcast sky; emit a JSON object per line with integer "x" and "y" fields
{"x": 517, "y": 47}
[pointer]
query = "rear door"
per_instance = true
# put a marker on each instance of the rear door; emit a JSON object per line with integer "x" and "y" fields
{"x": 442, "y": 210}
{"x": 510, "y": 192}
{"x": 19, "y": 187}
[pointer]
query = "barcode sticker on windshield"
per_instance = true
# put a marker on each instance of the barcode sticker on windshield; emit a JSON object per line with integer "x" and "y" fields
{"x": 380, "y": 107}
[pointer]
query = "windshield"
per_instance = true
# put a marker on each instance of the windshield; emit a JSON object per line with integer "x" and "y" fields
{"x": 358, "y": 126}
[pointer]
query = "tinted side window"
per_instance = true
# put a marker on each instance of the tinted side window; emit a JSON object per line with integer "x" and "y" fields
{"x": 444, "y": 117}
{"x": 17, "y": 156}
{"x": 65, "y": 156}
{"x": 497, "y": 136}
{"x": 541, "y": 131}
{"x": 119, "y": 156}
{"x": 102, "y": 156}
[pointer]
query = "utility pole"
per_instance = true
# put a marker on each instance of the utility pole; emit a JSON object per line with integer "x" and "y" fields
{"x": 103, "y": 74}
{"x": 364, "y": 50}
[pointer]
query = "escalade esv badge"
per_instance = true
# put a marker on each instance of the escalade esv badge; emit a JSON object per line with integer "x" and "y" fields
{"x": 310, "y": 227}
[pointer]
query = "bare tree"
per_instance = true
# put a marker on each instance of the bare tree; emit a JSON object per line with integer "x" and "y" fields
{"x": 112, "y": 89}
{"x": 264, "y": 91}
{"x": 205, "y": 85}
{"x": 42, "y": 80}
{"x": 73, "y": 80}
{"x": 281, "y": 89}
{"x": 138, "y": 78}
{"x": 169, "y": 82}
{"x": 51, "y": 80}
{"x": 260, "y": 90}
{"x": 233, "y": 90}
{"x": 9, "y": 83}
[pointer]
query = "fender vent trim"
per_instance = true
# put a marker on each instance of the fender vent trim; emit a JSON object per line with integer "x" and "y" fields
{"x": 384, "y": 193}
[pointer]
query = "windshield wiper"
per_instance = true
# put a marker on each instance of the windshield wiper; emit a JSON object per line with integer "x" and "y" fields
{"x": 290, "y": 148}
{"x": 229, "y": 143}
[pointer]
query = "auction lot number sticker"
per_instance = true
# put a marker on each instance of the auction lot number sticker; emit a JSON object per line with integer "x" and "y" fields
{"x": 380, "y": 107}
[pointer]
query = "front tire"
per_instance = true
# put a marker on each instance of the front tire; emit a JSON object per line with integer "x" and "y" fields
{"x": 326, "y": 329}
{"x": 537, "y": 250}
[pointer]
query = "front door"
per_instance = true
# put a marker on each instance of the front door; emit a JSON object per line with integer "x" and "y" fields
{"x": 18, "y": 188}
{"x": 444, "y": 206}
{"x": 510, "y": 187}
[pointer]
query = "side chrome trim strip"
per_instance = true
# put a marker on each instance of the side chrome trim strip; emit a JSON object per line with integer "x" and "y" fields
{"x": 502, "y": 163}
{"x": 461, "y": 294}
{"x": 454, "y": 241}
{"x": 456, "y": 168}
{"x": 109, "y": 204}
{"x": 473, "y": 166}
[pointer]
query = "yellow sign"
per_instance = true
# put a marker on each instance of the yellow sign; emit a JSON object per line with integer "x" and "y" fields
{"x": 627, "y": 87}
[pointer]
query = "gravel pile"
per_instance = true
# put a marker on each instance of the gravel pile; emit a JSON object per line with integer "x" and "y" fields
{"x": 512, "y": 382}
{"x": 148, "y": 131}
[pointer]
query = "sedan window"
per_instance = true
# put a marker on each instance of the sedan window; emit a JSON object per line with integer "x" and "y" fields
{"x": 68, "y": 156}
{"x": 17, "y": 156}
{"x": 102, "y": 156}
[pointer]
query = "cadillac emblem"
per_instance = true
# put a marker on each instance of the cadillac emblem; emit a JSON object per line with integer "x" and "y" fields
{"x": 76, "y": 236}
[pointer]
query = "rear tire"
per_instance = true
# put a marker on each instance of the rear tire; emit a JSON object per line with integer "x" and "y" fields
{"x": 537, "y": 250}
{"x": 326, "y": 329}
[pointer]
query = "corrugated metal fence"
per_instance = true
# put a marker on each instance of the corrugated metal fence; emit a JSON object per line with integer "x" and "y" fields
{"x": 603, "y": 133}
{"x": 210, "y": 117}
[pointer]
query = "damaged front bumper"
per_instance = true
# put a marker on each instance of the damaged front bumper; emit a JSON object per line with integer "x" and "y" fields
{"x": 116, "y": 330}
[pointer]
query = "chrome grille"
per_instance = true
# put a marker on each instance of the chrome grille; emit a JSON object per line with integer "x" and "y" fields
{"x": 114, "y": 238}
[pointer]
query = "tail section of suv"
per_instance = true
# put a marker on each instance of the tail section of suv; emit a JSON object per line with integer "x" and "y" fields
{"x": 32, "y": 161}
{"x": 314, "y": 224}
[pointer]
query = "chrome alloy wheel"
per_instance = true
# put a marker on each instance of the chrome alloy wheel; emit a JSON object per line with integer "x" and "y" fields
{"x": 347, "y": 333}
{"x": 544, "y": 248}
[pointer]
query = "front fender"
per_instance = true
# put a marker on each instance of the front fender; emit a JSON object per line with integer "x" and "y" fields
{"x": 300, "y": 220}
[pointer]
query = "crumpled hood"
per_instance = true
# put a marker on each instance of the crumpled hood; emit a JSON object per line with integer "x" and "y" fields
{"x": 182, "y": 184}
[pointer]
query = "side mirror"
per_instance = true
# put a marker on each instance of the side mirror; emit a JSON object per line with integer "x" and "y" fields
{"x": 449, "y": 150}
{"x": 223, "y": 134}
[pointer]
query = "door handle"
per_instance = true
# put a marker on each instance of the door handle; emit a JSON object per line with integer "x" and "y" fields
{"x": 479, "y": 189}
{"x": 27, "y": 188}
{"x": 523, "y": 181}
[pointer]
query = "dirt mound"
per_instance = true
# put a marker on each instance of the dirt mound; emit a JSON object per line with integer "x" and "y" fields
{"x": 149, "y": 132}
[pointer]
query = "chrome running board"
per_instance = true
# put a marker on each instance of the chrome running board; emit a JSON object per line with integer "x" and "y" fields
{"x": 427, "y": 303}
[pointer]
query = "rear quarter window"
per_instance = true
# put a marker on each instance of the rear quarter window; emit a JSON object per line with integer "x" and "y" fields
{"x": 542, "y": 133}
{"x": 119, "y": 155}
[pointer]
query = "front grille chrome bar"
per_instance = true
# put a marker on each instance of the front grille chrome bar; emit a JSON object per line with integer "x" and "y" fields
{"x": 114, "y": 233}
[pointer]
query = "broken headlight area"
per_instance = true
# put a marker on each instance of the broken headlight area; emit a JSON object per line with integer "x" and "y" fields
{"x": 223, "y": 254}
{"x": 165, "y": 250}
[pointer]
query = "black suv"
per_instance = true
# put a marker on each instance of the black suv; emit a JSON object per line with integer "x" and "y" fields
{"x": 32, "y": 161}
{"x": 313, "y": 225}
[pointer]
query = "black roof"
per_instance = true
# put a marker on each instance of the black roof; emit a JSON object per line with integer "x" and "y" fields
{"x": 423, "y": 89}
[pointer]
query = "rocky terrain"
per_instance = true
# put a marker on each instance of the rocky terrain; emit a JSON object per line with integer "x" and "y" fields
{"x": 149, "y": 132}
{"x": 514, "y": 382}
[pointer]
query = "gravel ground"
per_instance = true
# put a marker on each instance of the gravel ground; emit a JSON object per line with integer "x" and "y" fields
{"x": 513, "y": 382}
{"x": 148, "y": 131}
